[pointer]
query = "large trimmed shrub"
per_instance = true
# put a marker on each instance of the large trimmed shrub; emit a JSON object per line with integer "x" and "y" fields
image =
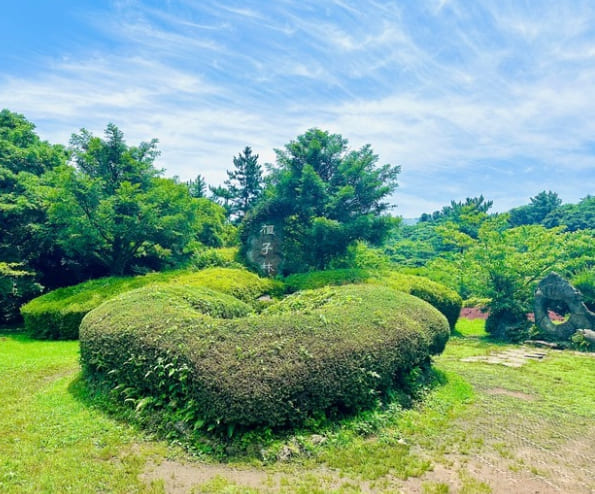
{"x": 331, "y": 277}
{"x": 334, "y": 348}
{"x": 443, "y": 298}
{"x": 57, "y": 315}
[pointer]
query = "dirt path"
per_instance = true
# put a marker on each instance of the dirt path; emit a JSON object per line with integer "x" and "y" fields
{"x": 511, "y": 439}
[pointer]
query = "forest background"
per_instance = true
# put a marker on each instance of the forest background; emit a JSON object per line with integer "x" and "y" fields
{"x": 100, "y": 207}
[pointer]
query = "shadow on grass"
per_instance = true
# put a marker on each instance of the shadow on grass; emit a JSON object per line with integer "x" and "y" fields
{"x": 256, "y": 443}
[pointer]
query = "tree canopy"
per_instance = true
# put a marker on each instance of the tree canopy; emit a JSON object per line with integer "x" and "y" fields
{"x": 325, "y": 196}
{"x": 243, "y": 187}
{"x": 112, "y": 211}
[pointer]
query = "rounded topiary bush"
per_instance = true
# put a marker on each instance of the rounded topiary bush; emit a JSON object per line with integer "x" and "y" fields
{"x": 58, "y": 314}
{"x": 334, "y": 348}
{"x": 318, "y": 279}
{"x": 443, "y": 298}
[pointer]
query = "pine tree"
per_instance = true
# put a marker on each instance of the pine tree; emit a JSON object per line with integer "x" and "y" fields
{"x": 243, "y": 187}
{"x": 197, "y": 187}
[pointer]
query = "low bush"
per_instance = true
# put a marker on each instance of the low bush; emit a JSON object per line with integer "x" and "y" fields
{"x": 57, "y": 315}
{"x": 331, "y": 349}
{"x": 443, "y": 298}
{"x": 585, "y": 282}
{"x": 16, "y": 286}
{"x": 224, "y": 257}
{"x": 318, "y": 279}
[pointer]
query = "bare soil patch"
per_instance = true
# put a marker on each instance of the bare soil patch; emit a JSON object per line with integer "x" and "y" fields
{"x": 514, "y": 357}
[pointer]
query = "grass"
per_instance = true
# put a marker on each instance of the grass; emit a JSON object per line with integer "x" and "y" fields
{"x": 482, "y": 425}
{"x": 49, "y": 441}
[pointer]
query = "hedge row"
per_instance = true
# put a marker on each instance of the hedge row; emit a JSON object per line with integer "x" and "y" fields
{"x": 57, "y": 315}
{"x": 334, "y": 348}
{"x": 443, "y": 298}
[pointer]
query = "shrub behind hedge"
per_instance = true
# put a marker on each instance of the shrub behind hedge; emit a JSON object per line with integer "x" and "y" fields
{"x": 443, "y": 298}
{"x": 334, "y": 348}
{"x": 57, "y": 315}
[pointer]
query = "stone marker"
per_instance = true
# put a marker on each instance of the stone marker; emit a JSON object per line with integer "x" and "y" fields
{"x": 555, "y": 288}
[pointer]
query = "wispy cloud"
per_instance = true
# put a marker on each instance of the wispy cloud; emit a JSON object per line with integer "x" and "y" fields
{"x": 491, "y": 97}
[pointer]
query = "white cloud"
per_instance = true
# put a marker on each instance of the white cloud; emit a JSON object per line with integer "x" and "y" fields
{"x": 446, "y": 94}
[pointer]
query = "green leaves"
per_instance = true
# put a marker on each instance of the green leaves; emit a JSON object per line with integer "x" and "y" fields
{"x": 114, "y": 210}
{"x": 326, "y": 197}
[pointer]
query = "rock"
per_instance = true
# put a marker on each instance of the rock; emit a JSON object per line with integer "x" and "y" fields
{"x": 317, "y": 439}
{"x": 554, "y": 288}
{"x": 285, "y": 454}
{"x": 543, "y": 344}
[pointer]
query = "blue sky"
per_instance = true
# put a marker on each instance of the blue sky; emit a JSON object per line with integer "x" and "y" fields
{"x": 492, "y": 97}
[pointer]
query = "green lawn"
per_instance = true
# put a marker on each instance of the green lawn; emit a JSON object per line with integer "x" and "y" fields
{"x": 49, "y": 440}
{"x": 484, "y": 426}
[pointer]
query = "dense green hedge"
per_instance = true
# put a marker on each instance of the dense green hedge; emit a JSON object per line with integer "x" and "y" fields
{"x": 331, "y": 277}
{"x": 443, "y": 298}
{"x": 334, "y": 348}
{"x": 57, "y": 315}
{"x": 585, "y": 282}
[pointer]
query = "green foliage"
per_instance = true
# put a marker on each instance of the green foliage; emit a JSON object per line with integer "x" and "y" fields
{"x": 243, "y": 187}
{"x": 585, "y": 282}
{"x": 442, "y": 298}
{"x": 57, "y": 315}
{"x": 210, "y": 228}
{"x": 24, "y": 234}
{"x": 319, "y": 279}
{"x": 467, "y": 216}
{"x": 540, "y": 207}
{"x": 360, "y": 255}
{"x": 113, "y": 211}
{"x": 211, "y": 258}
{"x": 332, "y": 349}
{"x": 16, "y": 286}
{"x": 325, "y": 197}
{"x": 574, "y": 217}
{"x": 197, "y": 187}
{"x": 581, "y": 343}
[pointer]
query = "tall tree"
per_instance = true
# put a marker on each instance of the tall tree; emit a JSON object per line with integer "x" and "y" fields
{"x": 24, "y": 236}
{"x": 535, "y": 213}
{"x": 113, "y": 211}
{"x": 574, "y": 217}
{"x": 325, "y": 196}
{"x": 467, "y": 215}
{"x": 197, "y": 187}
{"x": 243, "y": 187}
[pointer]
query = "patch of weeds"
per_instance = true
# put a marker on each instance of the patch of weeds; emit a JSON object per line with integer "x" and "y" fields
{"x": 470, "y": 485}
{"x": 435, "y": 488}
{"x": 503, "y": 450}
{"x": 370, "y": 460}
{"x": 220, "y": 484}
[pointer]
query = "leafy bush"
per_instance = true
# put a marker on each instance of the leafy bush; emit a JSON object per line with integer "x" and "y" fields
{"x": 585, "y": 282}
{"x": 240, "y": 283}
{"x": 57, "y": 315}
{"x": 16, "y": 286}
{"x": 318, "y": 279}
{"x": 330, "y": 349}
{"x": 222, "y": 258}
{"x": 444, "y": 299}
